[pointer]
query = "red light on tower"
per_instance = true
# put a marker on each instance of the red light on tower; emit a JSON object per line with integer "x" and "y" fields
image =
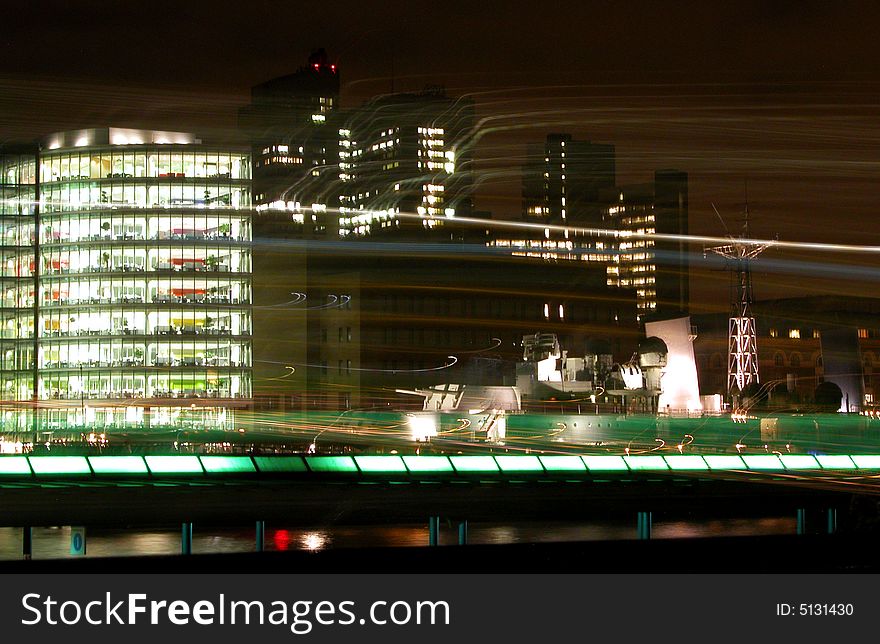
{"x": 316, "y": 65}
{"x": 333, "y": 68}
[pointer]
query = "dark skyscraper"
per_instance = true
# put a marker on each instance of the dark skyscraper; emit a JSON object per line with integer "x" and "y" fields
{"x": 289, "y": 123}
{"x": 568, "y": 182}
{"x": 671, "y": 213}
{"x": 562, "y": 180}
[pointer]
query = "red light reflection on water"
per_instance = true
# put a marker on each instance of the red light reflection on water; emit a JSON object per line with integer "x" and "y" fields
{"x": 281, "y": 539}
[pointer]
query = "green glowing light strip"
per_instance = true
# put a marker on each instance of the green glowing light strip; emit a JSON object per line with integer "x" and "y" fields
{"x": 835, "y": 462}
{"x": 563, "y": 463}
{"x": 380, "y": 464}
{"x": 14, "y": 466}
{"x": 762, "y": 462}
{"x": 118, "y": 464}
{"x": 866, "y": 462}
{"x": 521, "y": 463}
{"x": 724, "y": 462}
{"x": 428, "y": 464}
{"x": 686, "y": 462}
{"x": 605, "y": 463}
{"x": 331, "y": 464}
{"x": 280, "y": 464}
{"x": 473, "y": 464}
{"x": 799, "y": 462}
{"x": 642, "y": 463}
{"x": 52, "y": 465}
{"x": 227, "y": 464}
{"x": 174, "y": 464}
{"x": 21, "y": 466}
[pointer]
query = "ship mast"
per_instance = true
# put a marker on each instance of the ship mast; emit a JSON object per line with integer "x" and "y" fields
{"x": 742, "y": 350}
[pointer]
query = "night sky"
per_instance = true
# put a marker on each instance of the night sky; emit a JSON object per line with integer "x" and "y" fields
{"x": 782, "y": 95}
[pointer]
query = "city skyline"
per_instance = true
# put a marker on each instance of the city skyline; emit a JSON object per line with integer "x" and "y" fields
{"x": 756, "y": 112}
{"x": 326, "y": 277}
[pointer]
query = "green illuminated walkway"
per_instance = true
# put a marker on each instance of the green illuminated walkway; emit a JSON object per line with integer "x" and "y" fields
{"x": 419, "y": 466}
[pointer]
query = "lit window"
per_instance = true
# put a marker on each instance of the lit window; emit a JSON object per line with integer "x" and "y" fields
{"x": 773, "y": 332}
{"x": 816, "y": 335}
{"x": 794, "y": 334}
{"x": 863, "y": 334}
{"x": 561, "y": 312}
{"x": 546, "y": 311}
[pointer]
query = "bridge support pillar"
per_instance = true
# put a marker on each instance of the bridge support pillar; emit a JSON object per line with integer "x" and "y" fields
{"x": 260, "y": 544}
{"x": 78, "y": 543}
{"x": 27, "y": 542}
{"x": 462, "y": 533}
{"x": 186, "y": 539}
{"x": 832, "y": 520}
{"x": 802, "y": 521}
{"x": 433, "y": 531}
{"x": 643, "y": 525}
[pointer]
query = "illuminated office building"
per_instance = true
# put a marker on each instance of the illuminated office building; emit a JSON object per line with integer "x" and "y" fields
{"x": 562, "y": 179}
{"x": 405, "y": 153}
{"x": 18, "y": 206}
{"x": 632, "y": 264}
{"x": 396, "y": 155}
{"x": 127, "y": 282}
{"x": 574, "y": 185}
{"x": 292, "y": 128}
{"x": 563, "y": 182}
{"x": 655, "y": 270}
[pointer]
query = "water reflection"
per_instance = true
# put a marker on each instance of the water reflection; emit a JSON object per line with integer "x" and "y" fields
{"x": 54, "y": 542}
{"x": 315, "y": 541}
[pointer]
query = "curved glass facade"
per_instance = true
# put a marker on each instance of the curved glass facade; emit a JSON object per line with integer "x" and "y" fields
{"x": 137, "y": 285}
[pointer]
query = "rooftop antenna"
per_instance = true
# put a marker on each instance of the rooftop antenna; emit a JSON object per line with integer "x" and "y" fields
{"x": 742, "y": 350}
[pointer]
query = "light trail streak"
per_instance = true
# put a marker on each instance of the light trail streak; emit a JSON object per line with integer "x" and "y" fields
{"x": 541, "y": 227}
{"x": 454, "y": 360}
{"x": 298, "y": 297}
{"x": 496, "y": 343}
{"x": 690, "y": 239}
{"x": 290, "y": 372}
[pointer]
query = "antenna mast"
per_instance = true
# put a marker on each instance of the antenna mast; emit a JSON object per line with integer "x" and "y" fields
{"x": 742, "y": 350}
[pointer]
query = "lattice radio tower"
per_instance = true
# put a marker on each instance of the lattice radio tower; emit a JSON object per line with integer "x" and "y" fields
{"x": 742, "y": 349}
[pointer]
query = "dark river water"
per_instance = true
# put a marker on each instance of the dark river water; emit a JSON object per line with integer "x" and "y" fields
{"x": 51, "y": 543}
